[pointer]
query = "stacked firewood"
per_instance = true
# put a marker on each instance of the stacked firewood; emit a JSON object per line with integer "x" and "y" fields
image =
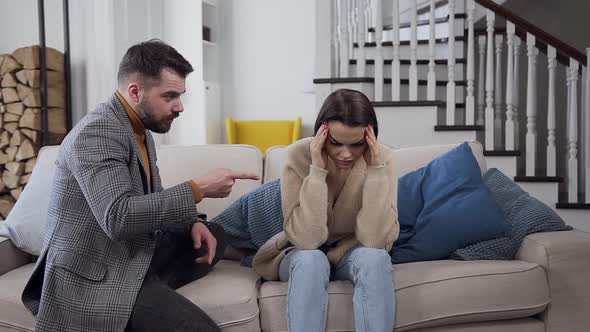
{"x": 20, "y": 116}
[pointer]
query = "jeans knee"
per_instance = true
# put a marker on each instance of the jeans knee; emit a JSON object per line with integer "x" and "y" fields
{"x": 373, "y": 259}
{"x": 312, "y": 262}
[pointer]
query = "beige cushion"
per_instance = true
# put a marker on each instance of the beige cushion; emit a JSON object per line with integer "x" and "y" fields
{"x": 410, "y": 159}
{"x": 274, "y": 162}
{"x": 432, "y": 294}
{"x": 228, "y": 294}
{"x": 509, "y": 325}
{"x": 182, "y": 163}
{"x": 14, "y": 316}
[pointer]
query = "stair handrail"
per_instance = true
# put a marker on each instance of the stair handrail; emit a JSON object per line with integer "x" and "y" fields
{"x": 540, "y": 34}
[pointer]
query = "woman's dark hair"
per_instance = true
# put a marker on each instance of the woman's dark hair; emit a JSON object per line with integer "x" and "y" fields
{"x": 351, "y": 107}
{"x": 149, "y": 58}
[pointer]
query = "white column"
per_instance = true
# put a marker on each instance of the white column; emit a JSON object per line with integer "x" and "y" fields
{"x": 378, "y": 5}
{"x": 516, "y": 95}
{"x": 572, "y": 137}
{"x": 551, "y": 150}
{"x": 395, "y": 64}
{"x": 470, "y": 99}
{"x": 414, "y": 51}
{"x": 343, "y": 37}
{"x": 362, "y": 37}
{"x": 510, "y": 29}
{"x": 481, "y": 74}
{"x": 489, "y": 112}
{"x": 431, "y": 89}
{"x": 586, "y": 125}
{"x": 498, "y": 91}
{"x": 451, "y": 93}
{"x": 531, "y": 106}
{"x": 352, "y": 28}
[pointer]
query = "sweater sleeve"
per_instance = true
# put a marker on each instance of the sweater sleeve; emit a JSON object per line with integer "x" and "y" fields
{"x": 305, "y": 205}
{"x": 377, "y": 222}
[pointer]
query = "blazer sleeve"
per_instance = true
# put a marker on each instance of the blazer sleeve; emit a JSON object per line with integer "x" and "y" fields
{"x": 98, "y": 159}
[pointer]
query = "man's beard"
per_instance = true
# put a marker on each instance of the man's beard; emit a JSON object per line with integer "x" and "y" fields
{"x": 146, "y": 115}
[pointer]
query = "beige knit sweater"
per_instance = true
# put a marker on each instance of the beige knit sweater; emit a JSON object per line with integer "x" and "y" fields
{"x": 364, "y": 213}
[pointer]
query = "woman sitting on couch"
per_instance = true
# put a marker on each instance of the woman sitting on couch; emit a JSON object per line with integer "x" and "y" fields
{"x": 339, "y": 194}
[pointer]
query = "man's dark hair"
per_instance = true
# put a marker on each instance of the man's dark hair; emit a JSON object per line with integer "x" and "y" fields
{"x": 149, "y": 58}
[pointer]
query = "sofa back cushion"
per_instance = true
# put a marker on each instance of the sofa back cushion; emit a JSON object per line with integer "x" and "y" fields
{"x": 410, "y": 159}
{"x": 274, "y": 162}
{"x": 181, "y": 163}
{"x": 25, "y": 224}
{"x": 407, "y": 159}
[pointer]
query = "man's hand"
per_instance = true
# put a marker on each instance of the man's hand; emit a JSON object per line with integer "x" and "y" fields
{"x": 219, "y": 182}
{"x": 202, "y": 236}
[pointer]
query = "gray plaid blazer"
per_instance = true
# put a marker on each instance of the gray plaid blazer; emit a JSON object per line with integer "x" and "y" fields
{"x": 100, "y": 233}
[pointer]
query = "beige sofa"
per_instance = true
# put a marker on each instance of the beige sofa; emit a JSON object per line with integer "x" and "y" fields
{"x": 546, "y": 289}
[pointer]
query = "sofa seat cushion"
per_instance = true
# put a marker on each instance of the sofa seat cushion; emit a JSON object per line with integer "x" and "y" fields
{"x": 434, "y": 293}
{"x": 228, "y": 295}
{"x": 14, "y": 316}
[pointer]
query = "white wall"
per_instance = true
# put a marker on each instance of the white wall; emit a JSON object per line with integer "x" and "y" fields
{"x": 20, "y": 27}
{"x": 267, "y": 59}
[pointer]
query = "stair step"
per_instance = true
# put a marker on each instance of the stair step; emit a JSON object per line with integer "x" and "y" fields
{"x": 549, "y": 179}
{"x": 501, "y": 153}
{"x": 407, "y": 42}
{"x": 425, "y": 82}
{"x": 372, "y": 80}
{"x": 505, "y": 165}
{"x": 422, "y": 22}
{"x": 458, "y": 128}
{"x": 576, "y": 206}
{"x": 407, "y": 103}
{"x": 406, "y": 62}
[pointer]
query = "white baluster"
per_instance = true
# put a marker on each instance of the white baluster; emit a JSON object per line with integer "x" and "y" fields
{"x": 572, "y": 139}
{"x": 481, "y": 74}
{"x": 362, "y": 38}
{"x": 451, "y": 93}
{"x": 379, "y": 49}
{"x": 352, "y": 27}
{"x": 551, "y": 150}
{"x": 414, "y": 52}
{"x": 531, "y": 106}
{"x": 489, "y": 112}
{"x": 498, "y": 93}
{"x": 470, "y": 99}
{"x": 334, "y": 36}
{"x": 395, "y": 64}
{"x": 431, "y": 88}
{"x": 516, "y": 95}
{"x": 510, "y": 29}
{"x": 587, "y": 128}
{"x": 343, "y": 37}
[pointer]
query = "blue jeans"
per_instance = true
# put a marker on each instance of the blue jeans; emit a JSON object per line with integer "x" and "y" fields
{"x": 308, "y": 273}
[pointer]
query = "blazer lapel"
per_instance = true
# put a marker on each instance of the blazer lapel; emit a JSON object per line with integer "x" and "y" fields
{"x": 124, "y": 118}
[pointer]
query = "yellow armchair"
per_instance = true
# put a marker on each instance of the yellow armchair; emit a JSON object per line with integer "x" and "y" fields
{"x": 263, "y": 133}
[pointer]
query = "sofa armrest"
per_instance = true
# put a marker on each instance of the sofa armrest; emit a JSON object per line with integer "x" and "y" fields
{"x": 11, "y": 257}
{"x": 565, "y": 256}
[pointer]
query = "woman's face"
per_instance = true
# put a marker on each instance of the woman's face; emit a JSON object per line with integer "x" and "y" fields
{"x": 345, "y": 144}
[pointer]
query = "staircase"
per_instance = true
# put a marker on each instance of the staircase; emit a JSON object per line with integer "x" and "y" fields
{"x": 435, "y": 76}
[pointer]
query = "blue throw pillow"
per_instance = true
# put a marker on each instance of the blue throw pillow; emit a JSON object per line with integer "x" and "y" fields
{"x": 457, "y": 208}
{"x": 525, "y": 214}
